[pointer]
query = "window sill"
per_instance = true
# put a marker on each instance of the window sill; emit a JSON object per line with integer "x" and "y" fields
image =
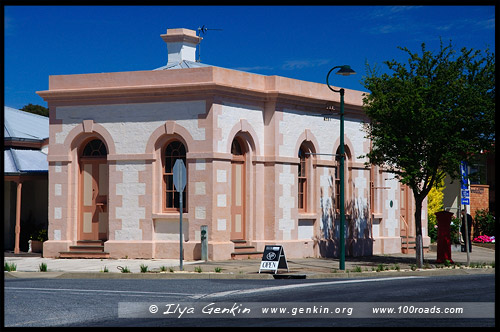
{"x": 307, "y": 215}
{"x": 170, "y": 215}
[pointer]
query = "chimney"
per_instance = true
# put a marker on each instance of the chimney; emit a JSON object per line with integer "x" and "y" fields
{"x": 181, "y": 45}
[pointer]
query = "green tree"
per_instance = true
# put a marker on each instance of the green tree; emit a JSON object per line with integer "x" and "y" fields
{"x": 36, "y": 109}
{"x": 428, "y": 115}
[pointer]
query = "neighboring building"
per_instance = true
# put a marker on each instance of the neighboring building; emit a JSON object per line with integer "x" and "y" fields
{"x": 481, "y": 187}
{"x": 26, "y": 138}
{"x": 259, "y": 157}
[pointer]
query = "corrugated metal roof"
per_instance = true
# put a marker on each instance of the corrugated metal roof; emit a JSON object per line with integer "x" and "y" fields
{"x": 182, "y": 65}
{"x": 9, "y": 165}
{"x": 24, "y": 125}
{"x": 24, "y": 161}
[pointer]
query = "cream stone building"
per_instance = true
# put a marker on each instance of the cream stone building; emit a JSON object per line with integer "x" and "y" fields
{"x": 259, "y": 156}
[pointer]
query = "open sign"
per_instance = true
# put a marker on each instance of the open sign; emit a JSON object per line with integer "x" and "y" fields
{"x": 273, "y": 259}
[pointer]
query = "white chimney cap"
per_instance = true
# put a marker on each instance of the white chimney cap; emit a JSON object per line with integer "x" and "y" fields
{"x": 181, "y": 45}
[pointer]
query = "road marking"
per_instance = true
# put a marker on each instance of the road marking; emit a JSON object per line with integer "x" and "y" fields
{"x": 211, "y": 295}
{"x": 122, "y": 292}
{"x": 293, "y": 286}
{"x": 32, "y": 322}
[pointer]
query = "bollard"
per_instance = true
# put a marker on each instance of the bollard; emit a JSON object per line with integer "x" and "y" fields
{"x": 204, "y": 242}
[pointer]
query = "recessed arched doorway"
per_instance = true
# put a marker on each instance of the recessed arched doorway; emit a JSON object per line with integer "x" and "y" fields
{"x": 238, "y": 152}
{"x": 93, "y": 216}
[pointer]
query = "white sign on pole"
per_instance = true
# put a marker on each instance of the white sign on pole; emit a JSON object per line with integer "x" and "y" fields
{"x": 179, "y": 175}
{"x": 179, "y": 171}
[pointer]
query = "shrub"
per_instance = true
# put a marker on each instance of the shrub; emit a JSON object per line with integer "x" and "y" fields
{"x": 454, "y": 230}
{"x": 432, "y": 228}
{"x": 484, "y": 239}
{"x": 484, "y": 223}
{"x": 434, "y": 204}
{"x": 357, "y": 269}
{"x": 123, "y": 269}
{"x": 39, "y": 235}
{"x": 9, "y": 267}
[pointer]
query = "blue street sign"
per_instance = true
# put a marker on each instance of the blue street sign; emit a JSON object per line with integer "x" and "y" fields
{"x": 464, "y": 180}
{"x": 465, "y": 193}
{"x": 465, "y": 201}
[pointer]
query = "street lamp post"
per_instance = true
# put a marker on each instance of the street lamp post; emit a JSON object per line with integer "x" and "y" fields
{"x": 345, "y": 71}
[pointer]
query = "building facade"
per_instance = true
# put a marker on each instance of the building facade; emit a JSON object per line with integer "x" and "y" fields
{"x": 26, "y": 139}
{"x": 260, "y": 159}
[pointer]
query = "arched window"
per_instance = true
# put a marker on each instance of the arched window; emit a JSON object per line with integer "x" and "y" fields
{"x": 95, "y": 148}
{"x": 236, "y": 149}
{"x": 347, "y": 176}
{"x": 302, "y": 178}
{"x": 173, "y": 151}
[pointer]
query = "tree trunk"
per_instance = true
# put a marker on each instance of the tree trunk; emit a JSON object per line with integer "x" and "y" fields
{"x": 419, "y": 249}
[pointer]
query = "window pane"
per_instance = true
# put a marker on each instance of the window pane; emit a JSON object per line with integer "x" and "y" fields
{"x": 169, "y": 199}
{"x": 169, "y": 182}
{"x": 236, "y": 148}
{"x": 302, "y": 178}
{"x": 301, "y": 200}
{"x": 95, "y": 148}
{"x": 176, "y": 200}
{"x": 168, "y": 165}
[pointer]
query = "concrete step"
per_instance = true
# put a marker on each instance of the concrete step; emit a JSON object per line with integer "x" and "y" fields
{"x": 83, "y": 254}
{"x": 247, "y": 255}
{"x": 85, "y": 249}
{"x": 89, "y": 243}
{"x": 244, "y": 251}
{"x": 244, "y": 248}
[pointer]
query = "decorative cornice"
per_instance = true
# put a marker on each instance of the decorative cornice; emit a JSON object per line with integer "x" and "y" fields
{"x": 197, "y": 83}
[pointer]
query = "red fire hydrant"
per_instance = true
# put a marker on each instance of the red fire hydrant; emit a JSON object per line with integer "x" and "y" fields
{"x": 443, "y": 236}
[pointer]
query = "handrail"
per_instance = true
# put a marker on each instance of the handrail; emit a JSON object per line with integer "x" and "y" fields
{"x": 406, "y": 230}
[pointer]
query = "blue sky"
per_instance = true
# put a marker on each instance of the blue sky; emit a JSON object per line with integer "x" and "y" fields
{"x": 300, "y": 42}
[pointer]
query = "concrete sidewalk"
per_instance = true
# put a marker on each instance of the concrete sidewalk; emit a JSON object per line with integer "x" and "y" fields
{"x": 376, "y": 265}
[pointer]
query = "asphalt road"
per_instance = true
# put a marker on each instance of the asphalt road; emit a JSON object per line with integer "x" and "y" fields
{"x": 106, "y": 302}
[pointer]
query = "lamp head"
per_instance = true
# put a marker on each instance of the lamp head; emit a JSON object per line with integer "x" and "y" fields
{"x": 345, "y": 70}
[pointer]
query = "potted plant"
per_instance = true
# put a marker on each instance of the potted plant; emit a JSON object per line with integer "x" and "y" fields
{"x": 37, "y": 238}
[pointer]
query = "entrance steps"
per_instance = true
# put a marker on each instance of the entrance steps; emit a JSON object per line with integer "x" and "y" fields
{"x": 85, "y": 249}
{"x": 244, "y": 251}
{"x": 409, "y": 246}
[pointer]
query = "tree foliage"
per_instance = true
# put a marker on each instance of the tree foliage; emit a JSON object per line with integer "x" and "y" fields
{"x": 36, "y": 109}
{"x": 428, "y": 115}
